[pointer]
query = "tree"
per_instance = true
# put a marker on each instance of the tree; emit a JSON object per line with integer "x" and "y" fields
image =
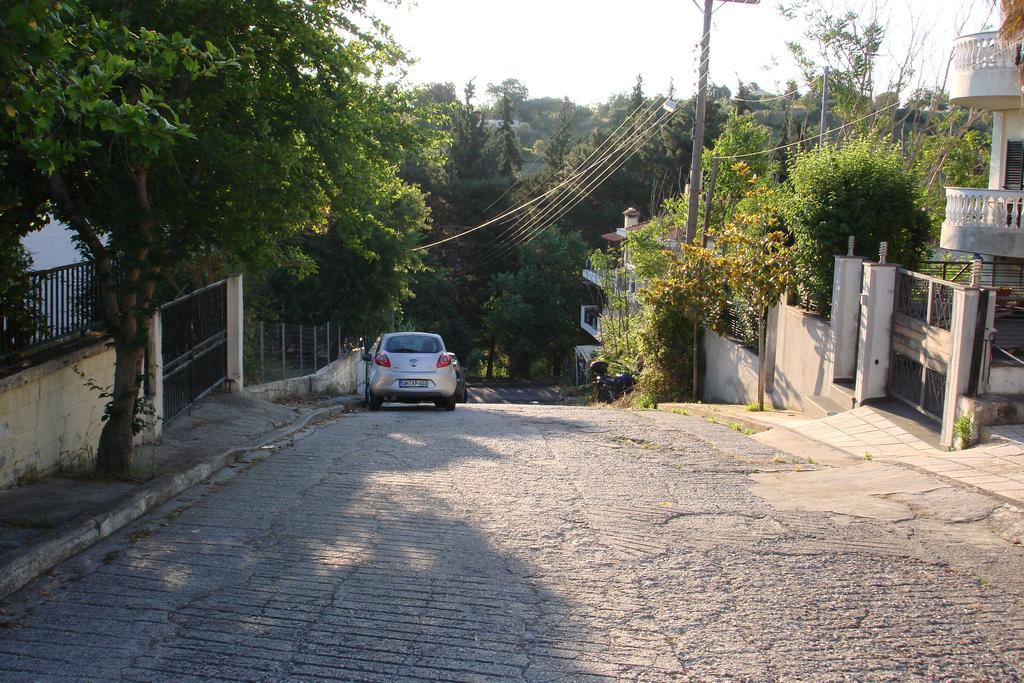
{"x": 506, "y": 141}
{"x": 1012, "y": 27}
{"x": 691, "y": 291}
{"x": 860, "y": 189}
{"x": 155, "y": 150}
{"x": 759, "y": 265}
{"x": 557, "y": 145}
{"x": 533, "y": 311}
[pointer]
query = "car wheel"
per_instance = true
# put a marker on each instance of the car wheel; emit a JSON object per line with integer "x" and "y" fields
{"x": 465, "y": 395}
{"x": 450, "y": 403}
{"x": 373, "y": 402}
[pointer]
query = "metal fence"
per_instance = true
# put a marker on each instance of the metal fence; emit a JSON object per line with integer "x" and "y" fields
{"x": 1002, "y": 276}
{"x": 193, "y": 346}
{"x": 276, "y": 351}
{"x": 59, "y": 304}
{"x": 739, "y": 322}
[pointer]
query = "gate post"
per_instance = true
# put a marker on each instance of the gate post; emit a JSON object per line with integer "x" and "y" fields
{"x": 154, "y": 385}
{"x": 234, "y": 381}
{"x": 875, "y": 335}
{"x": 846, "y": 287}
{"x": 961, "y": 350}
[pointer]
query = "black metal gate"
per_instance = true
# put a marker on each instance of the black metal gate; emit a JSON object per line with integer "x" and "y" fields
{"x": 193, "y": 347}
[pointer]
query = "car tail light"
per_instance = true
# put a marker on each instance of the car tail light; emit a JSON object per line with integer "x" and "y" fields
{"x": 382, "y": 359}
{"x": 444, "y": 360}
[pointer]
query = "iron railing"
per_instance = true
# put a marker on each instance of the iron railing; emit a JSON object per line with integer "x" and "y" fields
{"x": 924, "y": 298}
{"x": 276, "y": 351}
{"x": 1006, "y": 277}
{"x": 59, "y": 304}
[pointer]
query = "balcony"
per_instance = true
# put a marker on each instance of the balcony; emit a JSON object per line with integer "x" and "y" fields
{"x": 593, "y": 275}
{"x": 983, "y": 221}
{"x": 590, "y": 321}
{"x": 984, "y": 73}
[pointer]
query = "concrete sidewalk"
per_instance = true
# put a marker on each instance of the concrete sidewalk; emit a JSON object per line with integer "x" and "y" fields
{"x": 871, "y": 433}
{"x": 44, "y": 523}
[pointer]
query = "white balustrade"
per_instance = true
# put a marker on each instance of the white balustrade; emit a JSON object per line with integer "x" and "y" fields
{"x": 984, "y": 209}
{"x": 980, "y": 51}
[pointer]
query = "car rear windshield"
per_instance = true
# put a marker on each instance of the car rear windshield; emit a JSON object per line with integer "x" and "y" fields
{"x": 412, "y": 343}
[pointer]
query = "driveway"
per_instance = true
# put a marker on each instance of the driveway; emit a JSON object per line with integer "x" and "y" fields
{"x": 525, "y": 543}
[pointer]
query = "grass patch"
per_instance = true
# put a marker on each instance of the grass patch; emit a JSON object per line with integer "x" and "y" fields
{"x": 754, "y": 408}
{"x": 868, "y": 456}
{"x": 139, "y": 535}
{"x": 736, "y": 426}
{"x": 680, "y": 411}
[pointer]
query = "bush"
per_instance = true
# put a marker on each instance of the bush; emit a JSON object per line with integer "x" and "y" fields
{"x": 859, "y": 189}
{"x": 666, "y": 348}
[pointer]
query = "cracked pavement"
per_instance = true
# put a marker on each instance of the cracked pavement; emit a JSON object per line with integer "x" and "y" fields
{"x": 536, "y": 543}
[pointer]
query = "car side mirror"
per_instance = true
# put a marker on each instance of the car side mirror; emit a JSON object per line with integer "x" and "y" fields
{"x": 367, "y": 357}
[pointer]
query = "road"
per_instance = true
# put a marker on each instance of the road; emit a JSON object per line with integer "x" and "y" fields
{"x": 524, "y": 543}
{"x": 509, "y": 392}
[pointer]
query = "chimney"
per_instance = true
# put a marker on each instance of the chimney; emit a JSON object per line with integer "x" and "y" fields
{"x": 631, "y": 217}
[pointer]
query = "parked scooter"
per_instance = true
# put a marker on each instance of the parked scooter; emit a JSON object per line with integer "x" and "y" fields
{"x": 609, "y": 387}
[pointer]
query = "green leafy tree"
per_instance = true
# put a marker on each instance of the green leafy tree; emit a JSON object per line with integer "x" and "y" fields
{"x": 860, "y": 189}
{"x": 677, "y": 305}
{"x": 533, "y": 311}
{"x": 202, "y": 133}
{"x": 759, "y": 264}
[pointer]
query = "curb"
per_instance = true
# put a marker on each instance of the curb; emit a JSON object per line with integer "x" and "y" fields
{"x": 707, "y": 412}
{"x": 63, "y": 544}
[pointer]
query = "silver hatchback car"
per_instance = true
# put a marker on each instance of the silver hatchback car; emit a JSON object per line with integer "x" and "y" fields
{"x": 410, "y": 367}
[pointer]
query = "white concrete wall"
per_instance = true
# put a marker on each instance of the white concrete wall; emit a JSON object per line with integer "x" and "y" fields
{"x": 730, "y": 371}
{"x": 802, "y": 358}
{"x": 802, "y": 369}
{"x": 343, "y": 376}
{"x": 1006, "y": 380}
{"x": 1006, "y": 125}
{"x": 50, "y": 417}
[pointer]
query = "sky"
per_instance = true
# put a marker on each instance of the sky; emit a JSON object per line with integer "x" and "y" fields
{"x": 589, "y": 50}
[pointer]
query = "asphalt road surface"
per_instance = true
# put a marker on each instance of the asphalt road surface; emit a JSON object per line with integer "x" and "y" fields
{"x": 522, "y": 543}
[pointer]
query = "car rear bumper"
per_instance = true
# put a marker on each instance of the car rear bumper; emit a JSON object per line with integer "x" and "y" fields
{"x": 385, "y": 385}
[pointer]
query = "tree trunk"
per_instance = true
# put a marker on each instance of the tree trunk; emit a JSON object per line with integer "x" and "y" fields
{"x": 760, "y": 359}
{"x": 114, "y": 454}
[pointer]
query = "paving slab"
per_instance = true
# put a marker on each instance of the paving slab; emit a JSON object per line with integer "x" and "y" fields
{"x": 47, "y": 521}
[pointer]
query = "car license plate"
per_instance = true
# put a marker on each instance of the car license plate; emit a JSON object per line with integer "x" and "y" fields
{"x": 403, "y": 383}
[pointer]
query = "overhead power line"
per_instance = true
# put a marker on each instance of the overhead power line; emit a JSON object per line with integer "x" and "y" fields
{"x": 619, "y": 142}
{"x": 546, "y": 220}
{"x": 582, "y": 184}
{"x": 808, "y": 139}
{"x": 505, "y": 215}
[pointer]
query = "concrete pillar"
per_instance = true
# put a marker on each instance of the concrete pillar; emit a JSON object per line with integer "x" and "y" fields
{"x": 958, "y": 375}
{"x": 771, "y": 343}
{"x": 154, "y": 384}
{"x": 874, "y": 338}
{"x": 234, "y": 381}
{"x": 846, "y": 288}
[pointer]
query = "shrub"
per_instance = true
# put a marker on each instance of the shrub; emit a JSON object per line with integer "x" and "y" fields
{"x": 859, "y": 189}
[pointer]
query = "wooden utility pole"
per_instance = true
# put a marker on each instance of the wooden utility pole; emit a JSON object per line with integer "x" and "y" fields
{"x": 699, "y": 116}
{"x": 698, "y": 125}
{"x": 824, "y": 106}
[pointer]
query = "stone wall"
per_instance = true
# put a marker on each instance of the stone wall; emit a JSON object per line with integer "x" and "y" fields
{"x": 50, "y": 414}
